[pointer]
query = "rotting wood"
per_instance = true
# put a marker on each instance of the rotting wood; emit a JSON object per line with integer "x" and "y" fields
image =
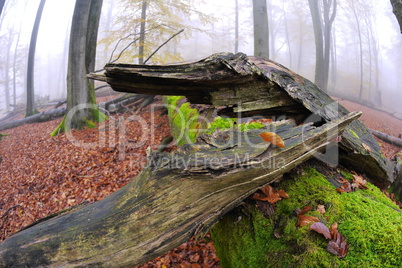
{"x": 254, "y": 86}
{"x": 177, "y": 195}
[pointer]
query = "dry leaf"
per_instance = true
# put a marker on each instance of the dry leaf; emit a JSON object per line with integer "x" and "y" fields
{"x": 304, "y": 220}
{"x": 268, "y": 190}
{"x": 321, "y": 228}
{"x": 338, "y": 246}
{"x": 333, "y": 229}
{"x": 283, "y": 194}
{"x": 321, "y": 209}
{"x": 273, "y": 138}
{"x": 360, "y": 181}
{"x": 305, "y": 209}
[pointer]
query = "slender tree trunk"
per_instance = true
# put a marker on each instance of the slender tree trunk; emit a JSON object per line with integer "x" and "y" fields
{"x": 142, "y": 31}
{"x": 1, "y": 6}
{"x": 15, "y": 65}
{"x": 30, "y": 110}
{"x": 237, "y": 27}
{"x": 328, "y": 21}
{"x": 359, "y": 34}
{"x": 261, "y": 33}
{"x": 7, "y": 70}
{"x": 319, "y": 44}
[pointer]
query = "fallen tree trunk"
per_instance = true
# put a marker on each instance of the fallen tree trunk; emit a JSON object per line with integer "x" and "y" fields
{"x": 112, "y": 106}
{"x": 40, "y": 117}
{"x": 387, "y": 138}
{"x": 177, "y": 195}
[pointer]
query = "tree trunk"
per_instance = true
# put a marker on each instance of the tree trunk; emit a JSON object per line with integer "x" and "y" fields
{"x": 31, "y": 109}
{"x": 81, "y": 102}
{"x": 236, "y": 49}
{"x": 261, "y": 32}
{"x": 329, "y": 18}
{"x": 387, "y": 138}
{"x": 142, "y": 31}
{"x": 176, "y": 196}
{"x": 319, "y": 44}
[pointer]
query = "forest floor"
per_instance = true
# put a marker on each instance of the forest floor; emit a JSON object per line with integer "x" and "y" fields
{"x": 40, "y": 175}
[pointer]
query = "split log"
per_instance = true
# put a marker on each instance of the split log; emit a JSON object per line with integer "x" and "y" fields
{"x": 387, "y": 138}
{"x": 254, "y": 86}
{"x": 177, "y": 195}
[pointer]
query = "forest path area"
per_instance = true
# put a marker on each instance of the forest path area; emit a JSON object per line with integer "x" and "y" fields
{"x": 40, "y": 175}
{"x": 380, "y": 121}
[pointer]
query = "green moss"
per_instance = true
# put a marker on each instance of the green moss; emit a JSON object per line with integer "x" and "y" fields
{"x": 354, "y": 133}
{"x": 370, "y": 222}
{"x": 252, "y": 125}
{"x": 221, "y": 123}
{"x": 183, "y": 120}
{"x": 3, "y": 135}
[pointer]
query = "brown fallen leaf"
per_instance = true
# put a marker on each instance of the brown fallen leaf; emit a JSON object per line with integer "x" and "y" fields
{"x": 273, "y": 138}
{"x": 333, "y": 229}
{"x": 268, "y": 190}
{"x": 365, "y": 146}
{"x": 305, "y": 209}
{"x": 321, "y": 228}
{"x": 338, "y": 246}
{"x": 304, "y": 220}
{"x": 283, "y": 194}
{"x": 360, "y": 181}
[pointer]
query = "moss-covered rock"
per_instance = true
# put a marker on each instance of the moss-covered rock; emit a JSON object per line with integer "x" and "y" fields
{"x": 370, "y": 222}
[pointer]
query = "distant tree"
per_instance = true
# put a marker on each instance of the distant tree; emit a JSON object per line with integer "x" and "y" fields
{"x": 236, "y": 26}
{"x": 397, "y": 9}
{"x": 323, "y": 17}
{"x": 81, "y": 101}
{"x": 261, "y": 32}
{"x": 30, "y": 109}
{"x": 146, "y": 24}
{"x": 1, "y": 6}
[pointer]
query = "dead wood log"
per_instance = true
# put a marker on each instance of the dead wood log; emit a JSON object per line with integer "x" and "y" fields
{"x": 111, "y": 106}
{"x": 387, "y": 138}
{"x": 177, "y": 195}
{"x": 253, "y": 86}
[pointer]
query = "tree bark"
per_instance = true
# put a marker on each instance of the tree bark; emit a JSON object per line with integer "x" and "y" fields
{"x": 261, "y": 32}
{"x": 31, "y": 62}
{"x": 174, "y": 197}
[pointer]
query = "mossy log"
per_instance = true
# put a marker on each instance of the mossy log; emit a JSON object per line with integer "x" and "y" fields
{"x": 253, "y": 86}
{"x": 370, "y": 222}
{"x": 176, "y": 196}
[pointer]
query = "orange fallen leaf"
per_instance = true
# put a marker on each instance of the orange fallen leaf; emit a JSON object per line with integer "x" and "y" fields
{"x": 268, "y": 190}
{"x": 333, "y": 229}
{"x": 273, "y": 138}
{"x": 283, "y": 194}
{"x": 305, "y": 209}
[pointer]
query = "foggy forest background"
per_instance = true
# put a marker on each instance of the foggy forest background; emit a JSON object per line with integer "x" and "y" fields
{"x": 365, "y": 56}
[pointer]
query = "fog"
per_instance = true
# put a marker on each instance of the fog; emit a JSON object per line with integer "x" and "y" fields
{"x": 371, "y": 64}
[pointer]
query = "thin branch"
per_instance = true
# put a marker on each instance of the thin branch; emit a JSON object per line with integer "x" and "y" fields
{"x": 173, "y": 36}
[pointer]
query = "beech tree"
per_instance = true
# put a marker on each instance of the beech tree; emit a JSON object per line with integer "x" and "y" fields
{"x": 146, "y": 24}
{"x": 81, "y": 102}
{"x": 30, "y": 109}
{"x": 323, "y": 18}
{"x": 261, "y": 32}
